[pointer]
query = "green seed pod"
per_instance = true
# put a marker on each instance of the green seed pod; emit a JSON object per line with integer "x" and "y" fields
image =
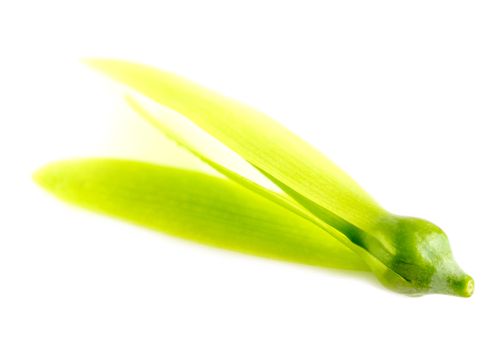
{"x": 419, "y": 252}
{"x": 408, "y": 255}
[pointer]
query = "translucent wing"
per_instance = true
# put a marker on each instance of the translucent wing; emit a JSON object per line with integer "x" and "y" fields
{"x": 195, "y": 206}
{"x": 261, "y": 141}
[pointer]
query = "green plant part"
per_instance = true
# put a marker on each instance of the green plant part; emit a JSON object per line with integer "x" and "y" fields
{"x": 195, "y": 206}
{"x": 420, "y": 252}
{"x": 408, "y": 255}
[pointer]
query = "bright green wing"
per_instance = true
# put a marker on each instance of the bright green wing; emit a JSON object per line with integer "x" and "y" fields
{"x": 336, "y": 221}
{"x": 201, "y": 147}
{"x": 261, "y": 141}
{"x": 197, "y": 207}
{"x": 408, "y": 255}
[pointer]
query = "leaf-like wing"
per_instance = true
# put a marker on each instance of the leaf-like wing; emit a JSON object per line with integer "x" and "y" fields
{"x": 260, "y": 140}
{"x": 204, "y": 149}
{"x": 195, "y": 206}
{"x": 320, "y": 192}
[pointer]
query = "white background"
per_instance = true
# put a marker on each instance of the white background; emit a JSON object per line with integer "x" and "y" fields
{"x": 400, "y": 94}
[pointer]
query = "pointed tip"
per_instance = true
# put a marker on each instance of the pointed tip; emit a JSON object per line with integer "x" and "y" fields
{"x": 116, "y": 69}
{"x": 468, "y": 287}
{"x": 53, "y": 176}
{"x": 88, "y": 61}
{"x": 464, "y": 287}
{"x": 101, "y": 64}
{"x": 93, "y": 62}
{"x": 44, "y": 176}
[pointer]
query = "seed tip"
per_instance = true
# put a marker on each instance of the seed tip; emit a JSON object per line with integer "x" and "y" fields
{"x": 469, "y": 287}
